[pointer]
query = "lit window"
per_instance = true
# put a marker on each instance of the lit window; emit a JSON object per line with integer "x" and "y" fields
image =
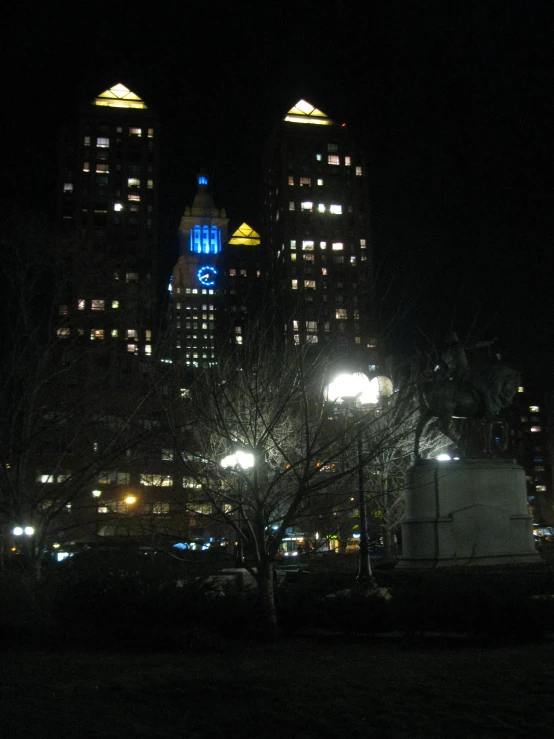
{"x": 87, "y": 141}
{"x": 96, "y": 334}
{"x": 323, "y": 245}
{"x": 309, "y": 284}
{"x": 305, "y": 180}
{"x": 293, "y": 257}
{"x": 291, "y": 180}
{"x": 102, "y": 143}
{"x": 352, "y": 260}
{"x": 68, "y": 186}
{"x": 114, "y": 333}
{"x": 150, "y": 184}
{"x": 131, "y": 277}
{"x": 86, "y": 167}
{"x": 357, "y": 340}
{"x": 333, "y": 159}
{"x": 131, "y": 348}
{"x": 521, "y": 389}
{"x": 135, "y": 132}
{"x": 324, "y": 271}
{"x": 115, "y": 303}
{"x": 293, "y": 244}
{"x": 45, "y": 479}
{"x": 131, "y": 333}
{"x": 321, "y": 208}
{"x": 540, "y": 488}
{"x": 306, "y": 205}
{"x": 347, "y": 161}
{"x": 337, "y": 246}
{"x": 320, "y": 183}
{"x": 336, "y": 209}
{"x": 81, "y": 304}
{"x": 135, "y": 197}
{"x": 341, "y": 314}
{"x": 118, "y": 207}
{"x": 102, "y": 167}
{"x": 63, "y": 333}
{"x": 318, "y": 157}
{"x": 297, "y": 338}
{"x": 358, "y": 171}
{"x": 291, "y": 203}
{"x": 307, "y": 257}
{"x": 133, "y": 182}
{"x": 294, "y": 284}
{"x": 534, "y": 408}
{"x": 150, "y": 133}
{"x": 536, "y": 429}
{"x": 164, "y": 481}
{"x": 97, "y": 304}
{"x": 311, "y": 327}
{"x": 307, "y": 246}
{"x": 362, "y": 243}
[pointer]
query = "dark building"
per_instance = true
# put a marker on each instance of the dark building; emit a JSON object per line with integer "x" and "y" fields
{"x": 316, "y": 235}
{"x": 532, "y": 438}
{"x": 108, "y": 215}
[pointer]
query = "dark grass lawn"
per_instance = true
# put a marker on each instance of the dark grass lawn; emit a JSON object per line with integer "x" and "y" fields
{"x": 292, "y": 689}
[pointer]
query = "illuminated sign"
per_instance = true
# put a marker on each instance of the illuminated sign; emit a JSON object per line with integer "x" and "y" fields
{"x": 206, "y": 275}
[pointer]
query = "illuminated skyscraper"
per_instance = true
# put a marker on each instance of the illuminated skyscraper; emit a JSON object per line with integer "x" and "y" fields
{"x": 316, "y": 234}
{"x": 195, "y": 283}
{"x": 108, "y": 211}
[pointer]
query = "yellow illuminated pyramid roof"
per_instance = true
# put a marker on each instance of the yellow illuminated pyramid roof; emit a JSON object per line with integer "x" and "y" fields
{"x": 304, "y": 112}
{"x": 119, "y": 96}
{"x": 245, "y": 236}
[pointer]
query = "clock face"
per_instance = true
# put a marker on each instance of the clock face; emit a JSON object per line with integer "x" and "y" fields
{"x": 206, "y": 275}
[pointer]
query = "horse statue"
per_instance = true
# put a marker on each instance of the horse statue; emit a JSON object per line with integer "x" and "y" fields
{"x": 468, "y": 395}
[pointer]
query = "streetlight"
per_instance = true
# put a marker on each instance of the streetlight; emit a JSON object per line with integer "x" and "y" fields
{"x": 355, "y": 392}
{"x": 239, "y": 460}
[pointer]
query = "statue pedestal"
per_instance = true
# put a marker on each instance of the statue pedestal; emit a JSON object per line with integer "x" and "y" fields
{"x": 466, "y": 512}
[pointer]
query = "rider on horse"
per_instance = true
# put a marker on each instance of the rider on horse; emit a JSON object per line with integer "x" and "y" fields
{"x": 455, "y": 367}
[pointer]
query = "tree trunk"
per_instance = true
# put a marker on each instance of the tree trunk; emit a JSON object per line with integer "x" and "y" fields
{"x": 268, "y": 613}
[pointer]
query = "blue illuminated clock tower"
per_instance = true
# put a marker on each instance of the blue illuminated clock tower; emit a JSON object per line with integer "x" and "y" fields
{"x": 195, "y": 285}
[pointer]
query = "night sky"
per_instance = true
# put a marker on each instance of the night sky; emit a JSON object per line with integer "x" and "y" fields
{"x": 452, "y": 102}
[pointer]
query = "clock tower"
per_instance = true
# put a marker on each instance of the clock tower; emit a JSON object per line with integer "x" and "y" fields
{"x": 195, "y": 289}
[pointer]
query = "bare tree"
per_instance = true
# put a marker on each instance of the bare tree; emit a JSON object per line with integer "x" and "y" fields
{"x": 293, "y": 454}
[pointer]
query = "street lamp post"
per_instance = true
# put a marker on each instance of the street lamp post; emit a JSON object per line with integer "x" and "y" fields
{"x": 239, "y": 460}
{"x": 356, "y": 393}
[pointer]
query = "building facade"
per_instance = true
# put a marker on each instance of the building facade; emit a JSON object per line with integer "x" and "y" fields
{"x": 108, "y": 216}
{"x": 316, "y": 235}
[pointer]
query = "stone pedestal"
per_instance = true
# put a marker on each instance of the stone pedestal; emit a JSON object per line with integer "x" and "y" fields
{"x": 466, "y": 512}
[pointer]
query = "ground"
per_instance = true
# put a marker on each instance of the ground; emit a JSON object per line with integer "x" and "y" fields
{"x": 295, "y": 689}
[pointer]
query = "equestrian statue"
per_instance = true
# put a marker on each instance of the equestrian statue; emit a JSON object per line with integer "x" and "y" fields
{"x": 457, "y": 391}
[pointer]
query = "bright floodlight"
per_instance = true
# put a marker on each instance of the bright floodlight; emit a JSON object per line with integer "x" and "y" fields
{"x": 244, "y": 460}
{"x": 444, "y": 457}
{"x": 130, "y": 499}
{"x": 29, "y": 530}
{"x": 357, "y": 386}
{"x": 17, "y": 531}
